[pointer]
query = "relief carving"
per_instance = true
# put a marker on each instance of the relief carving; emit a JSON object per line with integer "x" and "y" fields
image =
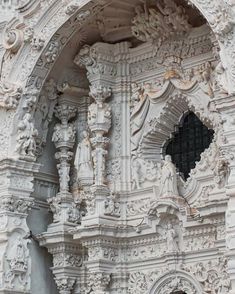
{"x": 158, "y": 24}
{"x": 17, "y": 264}
{"x": 212, "y": 275}
{"x": 10, "y": 95}
{"x": 143, "y": 170}
{"x": 112, "y": 205}
{"x": 26, "y": 137}
{"x": 83, "y": 160}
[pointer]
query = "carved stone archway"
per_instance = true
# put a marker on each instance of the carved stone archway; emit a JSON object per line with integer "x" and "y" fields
{"x": 174, "y": 281}
{"x": 181, "y": 99}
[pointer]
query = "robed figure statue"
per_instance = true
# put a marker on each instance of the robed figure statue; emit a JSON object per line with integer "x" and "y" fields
{"x": 83, "y": 160}
{"x": 168, "y": 184}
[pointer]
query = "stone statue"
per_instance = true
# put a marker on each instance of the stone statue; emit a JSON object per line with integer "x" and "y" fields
{"x": 83, "y": 159}
{"x": 171, "y": 236}
{"x": 27, "y": 134}
{"x": 168, "y": 185}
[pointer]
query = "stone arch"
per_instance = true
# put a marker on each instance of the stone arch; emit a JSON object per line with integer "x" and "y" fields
{"x": 178, "y": 101}
{"x": 176, "y": 280}
{"x": 55, "y": 20}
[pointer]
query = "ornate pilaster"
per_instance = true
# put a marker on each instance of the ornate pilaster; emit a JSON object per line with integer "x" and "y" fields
{"x": 226, "y": 107}
{"x": 16, "y": 179}
{"x": 63, "y": 137}
{"x": 66, "y": 254}
{"x": 99, "y": 122}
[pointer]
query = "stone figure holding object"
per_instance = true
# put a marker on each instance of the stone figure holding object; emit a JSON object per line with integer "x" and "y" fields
{"x": 168, "y": 184}
{"x": 83, "y": 159}
{"x": 171, "y": 236}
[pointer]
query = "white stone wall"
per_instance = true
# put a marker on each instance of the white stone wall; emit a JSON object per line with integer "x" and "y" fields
{"x": 102, "y": 222}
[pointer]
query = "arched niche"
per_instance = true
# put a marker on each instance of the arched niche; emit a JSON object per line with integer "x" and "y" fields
{"x": 178, "y": 100}
{"x": 176, "y": 281}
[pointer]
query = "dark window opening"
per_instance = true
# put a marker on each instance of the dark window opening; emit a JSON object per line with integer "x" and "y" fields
{"x": 188, "y": 142}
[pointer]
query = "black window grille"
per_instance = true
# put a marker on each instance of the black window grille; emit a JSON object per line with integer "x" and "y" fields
{"x": 191, "y": 138}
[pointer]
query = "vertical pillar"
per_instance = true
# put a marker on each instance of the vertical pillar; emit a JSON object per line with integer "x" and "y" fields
{"x": 226, "y": 106}
{"x": 16, "y": 177}
{"x": 99, "y": 122}
{"x": 67, "y": 256}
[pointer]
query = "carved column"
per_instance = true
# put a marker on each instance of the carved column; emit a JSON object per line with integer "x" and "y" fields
{"x": 63, "y": 204}
{"x": 16, "y": 178}
{"x": 102, "y": 207}
{"x": 66, "y": 253}
{"x": 99, "y": 122}
{"x": 226, "y": 106}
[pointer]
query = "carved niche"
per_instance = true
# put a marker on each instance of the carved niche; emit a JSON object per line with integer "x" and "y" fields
{"x": 175, "y": 281}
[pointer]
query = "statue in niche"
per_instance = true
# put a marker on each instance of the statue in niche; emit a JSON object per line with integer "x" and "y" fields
{"x": 168, "y": 184}
{"x": 171, "y": 237}
{"x": 83, "y": 159}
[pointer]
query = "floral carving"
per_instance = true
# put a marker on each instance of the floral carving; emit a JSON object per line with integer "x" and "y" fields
{"x": 10, "y": 95}
{"x": 112, "y": 205}
{"x": 66, "y": 259}
{"x": 52, "y": 52}
{"x": 65, "y": 284}
{"x": 99, "y": 282}
{"x": 160, "y": 23}
{"x": 212, "y": 275}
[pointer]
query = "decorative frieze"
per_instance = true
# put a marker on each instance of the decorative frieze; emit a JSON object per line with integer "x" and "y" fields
{"x": 160, "y": 23}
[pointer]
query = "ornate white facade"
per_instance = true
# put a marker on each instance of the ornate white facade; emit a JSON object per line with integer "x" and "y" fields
{"x": 90, "y": 92}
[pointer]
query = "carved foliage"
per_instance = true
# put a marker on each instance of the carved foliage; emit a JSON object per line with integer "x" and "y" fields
{"x": 63, "y": 259}
{"x": 213, "y": 276}
{"x": 160, "y": 23}
{"x": 112, "y": 205}
{"x": 10, "y": 95}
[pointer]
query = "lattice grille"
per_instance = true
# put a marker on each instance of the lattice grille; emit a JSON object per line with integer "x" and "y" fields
{"x": 188, "y": 142}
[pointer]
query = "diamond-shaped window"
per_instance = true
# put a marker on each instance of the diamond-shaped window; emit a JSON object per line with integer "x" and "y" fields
{"x": 190, "y": 139}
